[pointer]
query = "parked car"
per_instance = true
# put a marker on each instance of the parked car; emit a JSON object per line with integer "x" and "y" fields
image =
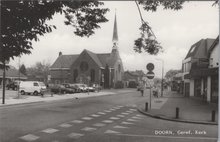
{"x": 81, "y": 87}
{"x": 12, "y": 85}
{"x": 33, "y": 87}
{"x": 76, "y": 87}
{"x": 58, "y": 88}
{"x": 90, "y": 88}
{"x": 69, "y": 88}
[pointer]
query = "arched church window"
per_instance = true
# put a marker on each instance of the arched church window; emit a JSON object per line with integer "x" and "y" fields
{"x": 84, "y": 66}
{"x": 75, "y": 75}
{"x": 92, "y": 75}
{"x": 119, "y": 68}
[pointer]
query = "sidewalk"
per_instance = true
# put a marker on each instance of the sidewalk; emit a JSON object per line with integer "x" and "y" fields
{"x": 47, "y": 97}
{"x": 191, "y": 110}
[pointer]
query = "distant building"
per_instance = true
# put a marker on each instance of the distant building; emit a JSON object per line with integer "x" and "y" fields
{"x": 87, "y": 67}
{"x": 133, "y": 77}
{"x": 11, "y": 74}
{"x": 200, "y": 70}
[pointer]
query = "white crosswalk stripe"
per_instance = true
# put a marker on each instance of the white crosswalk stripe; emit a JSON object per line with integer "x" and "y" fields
{"x": 120, "y": 115}
{"x": 132, "y": 120}
{"x": 29, "y": 138}
{"x": 111, "y": 132}
{"x": 77, "y": 121}
{"x": 50, "y": 130}
{"x": 75, "y": 135}
{"x": 87, "y": 118}
{"x": 135, "y": 117}
{"x": 99, "y": 124}
{"x": 107, "y": 111}
{"x": 95, "y": 115}
{"x": 124, "y": 122}
{"x": 65, "y": 125}
{"x": 101, "y": 113}
{"x": 88, "y": 129}
{"x": 124, "y": 113}
{"x": 107, "y": 121}
{"x": 119, "y": 127}
{"x": 114, "y": 118}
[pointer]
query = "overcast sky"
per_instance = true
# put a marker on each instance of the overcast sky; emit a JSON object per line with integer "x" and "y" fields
{"x": 175, "y": 30}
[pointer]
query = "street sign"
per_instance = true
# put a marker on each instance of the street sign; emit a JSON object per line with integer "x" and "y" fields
{"x": 150, "y": 75}
{"x": 150, "y": 66}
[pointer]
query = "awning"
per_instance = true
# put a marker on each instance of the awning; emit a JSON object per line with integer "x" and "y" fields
{"x": 197, "y": 73}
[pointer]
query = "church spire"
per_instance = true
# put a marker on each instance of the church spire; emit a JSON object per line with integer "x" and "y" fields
{"x": 115, "y": 34}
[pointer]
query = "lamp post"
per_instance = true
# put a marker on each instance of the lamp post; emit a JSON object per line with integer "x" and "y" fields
{"x": 162, "y": 76}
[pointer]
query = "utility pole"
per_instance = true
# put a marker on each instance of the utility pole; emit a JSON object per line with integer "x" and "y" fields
{"x": 3, "y": 83}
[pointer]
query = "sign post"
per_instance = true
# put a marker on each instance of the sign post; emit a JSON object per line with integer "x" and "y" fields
{"x": 150, "y": 75}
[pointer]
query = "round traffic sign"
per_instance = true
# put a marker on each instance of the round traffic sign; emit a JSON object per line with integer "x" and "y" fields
{"x": 150, "y": 66}
{"x": 150, "y": 75}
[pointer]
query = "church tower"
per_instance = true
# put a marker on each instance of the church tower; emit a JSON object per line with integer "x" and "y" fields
{"x": 115, "y": 35}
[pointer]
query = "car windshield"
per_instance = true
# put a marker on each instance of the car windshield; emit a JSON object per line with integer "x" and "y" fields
{"x": 41, "y": 84}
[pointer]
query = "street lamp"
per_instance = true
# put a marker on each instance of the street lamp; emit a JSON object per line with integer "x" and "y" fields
{"x": 162, "y": 75}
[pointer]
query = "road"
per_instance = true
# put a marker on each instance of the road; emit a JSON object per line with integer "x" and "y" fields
{"x": 112, "y": 118}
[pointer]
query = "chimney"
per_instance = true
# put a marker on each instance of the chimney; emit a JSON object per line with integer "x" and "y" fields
{"x": 60, "y": 53}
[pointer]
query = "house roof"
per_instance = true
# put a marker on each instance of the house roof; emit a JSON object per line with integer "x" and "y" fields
{"x": 213, "y": 45}
{"x": 64, "y": 61}
{"x": 200, "y": 48}
{"x": 12, "y": 73}
{"x": 103, "y": 58}
{"x": 94, "y": 57}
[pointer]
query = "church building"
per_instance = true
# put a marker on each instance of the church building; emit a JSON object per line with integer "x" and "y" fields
{"x": 87, "y": 67}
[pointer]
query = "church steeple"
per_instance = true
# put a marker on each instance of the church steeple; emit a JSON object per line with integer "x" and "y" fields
{"x": 115, "y": 34}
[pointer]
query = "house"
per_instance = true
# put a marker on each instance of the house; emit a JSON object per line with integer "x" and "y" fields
{"x": 133, "y": 77}
{"x": 11, "y": 74}
{"x": 88, "y": 67}
{"x": 200, "y": 70}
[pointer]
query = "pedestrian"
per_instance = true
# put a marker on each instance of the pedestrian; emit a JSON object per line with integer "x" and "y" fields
{"x": 142, "y": 88}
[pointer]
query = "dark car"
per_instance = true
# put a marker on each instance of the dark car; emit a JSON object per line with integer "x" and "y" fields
{"x": 69, "y": 87}
{"x": 60, "y": 89}
{"x": 12, "y": 85}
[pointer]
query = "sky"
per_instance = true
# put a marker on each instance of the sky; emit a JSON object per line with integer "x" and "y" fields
{"x": 175, "y": 30}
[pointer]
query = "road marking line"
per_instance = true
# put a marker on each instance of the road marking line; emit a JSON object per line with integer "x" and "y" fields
{"x": 99, "y": 124}
{"x": 107, "y": 111}
{"x": 111, "y": 132}
{"x": 169, "y": 137}
{"x": 114, "y": 118}
{"x": 132, "y": 120}
{"x": 129, "y": 111}
{"x": 101, "y": 113}
{"x": 120, "y": 127}
{"x": 50, "y": 130}
{"x": 139, "y": 115}
{"x": 119, "y": 106}
{"x": 77, "y": 121}
{"x": 107, "y": 121}
{"x": 124, "y": 122}
{"x": 112, "y": 109}
{"x": 29, "y": 137}
{"x": 65, "y": 125}
{"x": 95, "y": 115}
{"x": 120, "y": 115}
{"x": 135, "y": 117}
{"x": 133, "y": 109}
{"x": 75, "y": 135}
{"x": 125, "y": 113}
{"x": 88, "y": 129}
{"x": 87, "y": 118}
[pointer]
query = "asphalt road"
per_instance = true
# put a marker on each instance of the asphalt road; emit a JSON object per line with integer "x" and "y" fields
{"x": 111, "y": 118}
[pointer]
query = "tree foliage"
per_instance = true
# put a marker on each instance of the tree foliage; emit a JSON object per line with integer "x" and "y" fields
{"x": 148, "y": 41}
{"x": 171, "y": 73}
{"x": 23, "y": 69}
{"x": 40, "y": 69}
{"x": 24, "y": 21}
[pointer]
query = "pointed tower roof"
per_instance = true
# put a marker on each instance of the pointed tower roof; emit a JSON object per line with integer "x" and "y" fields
{"x": 115, "y": 31}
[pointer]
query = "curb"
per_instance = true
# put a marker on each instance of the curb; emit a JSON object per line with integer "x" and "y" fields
{"x": 6, "y": 105}
{"x": 175, "y": 120}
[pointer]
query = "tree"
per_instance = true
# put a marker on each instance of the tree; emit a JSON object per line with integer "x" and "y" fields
{"x": 148, "y": 41}
{"x": 24, "y": 21}
{"x": 40, "y": 69}
{"x": 171, "y": 73}
{"x": 23, "y": 69}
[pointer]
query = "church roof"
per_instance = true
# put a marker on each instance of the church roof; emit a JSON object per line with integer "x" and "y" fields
{"x": 64, "y": 61}
{"x": 101, "y": 59}
{"x": 115, "y": 31}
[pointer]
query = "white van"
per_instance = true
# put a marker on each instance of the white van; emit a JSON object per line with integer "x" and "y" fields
{"x": 33, "y": 87}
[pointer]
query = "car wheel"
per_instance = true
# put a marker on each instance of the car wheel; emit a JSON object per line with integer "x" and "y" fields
{"x": 35, "y": 93}
{"x": 22, "y": 92}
